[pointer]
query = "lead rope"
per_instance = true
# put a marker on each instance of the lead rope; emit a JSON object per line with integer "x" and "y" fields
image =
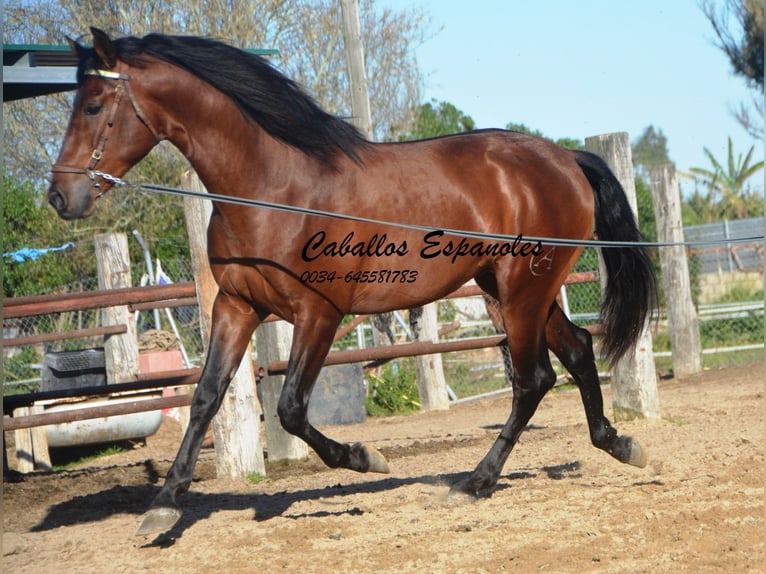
{"x": 116, "y": 181}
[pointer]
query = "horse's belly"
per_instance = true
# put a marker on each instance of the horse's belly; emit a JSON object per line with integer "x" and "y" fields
{"x": 360, "y": 268}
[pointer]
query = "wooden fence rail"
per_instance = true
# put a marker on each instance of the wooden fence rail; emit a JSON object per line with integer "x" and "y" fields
{"x": 61, "y": 303}
{"x": 154, "y": 296}
{"x": 28, "y": 306}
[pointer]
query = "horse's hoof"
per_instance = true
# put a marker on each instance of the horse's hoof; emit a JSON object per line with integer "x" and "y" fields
{"x": 378, "y": 463}
{"x": 365, "y": 459}
{"x": 637, "y": 455}
{"x": 628, "y": 451}
{"x": 158, "y": 520}
{"x": 471, "y": 489}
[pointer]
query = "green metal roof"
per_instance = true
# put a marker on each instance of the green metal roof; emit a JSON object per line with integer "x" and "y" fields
{"x": 31, "y": 70}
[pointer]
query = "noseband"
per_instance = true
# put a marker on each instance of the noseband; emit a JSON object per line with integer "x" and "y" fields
{"x": 122, "y": 88}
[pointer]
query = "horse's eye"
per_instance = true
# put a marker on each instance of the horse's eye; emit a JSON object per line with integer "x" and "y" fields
{"x": 92, "y": 110}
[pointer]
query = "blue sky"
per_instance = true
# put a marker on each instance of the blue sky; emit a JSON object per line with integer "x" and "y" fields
{"x": 577, "y": 68}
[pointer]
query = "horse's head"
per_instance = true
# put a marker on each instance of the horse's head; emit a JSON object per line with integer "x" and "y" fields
{"x": 108, "y": 132}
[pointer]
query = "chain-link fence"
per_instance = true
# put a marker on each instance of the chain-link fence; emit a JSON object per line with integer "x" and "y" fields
{"x": 22, "y": 364}
{"x": 727, "y": 289}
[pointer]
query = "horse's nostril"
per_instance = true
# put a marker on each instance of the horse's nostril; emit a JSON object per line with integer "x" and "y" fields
{"x": 57, "y": 200}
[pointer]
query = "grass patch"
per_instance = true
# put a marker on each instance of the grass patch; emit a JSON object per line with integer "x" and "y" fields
{"x": 393, "y": 390}
{"x": 67, "y": 458}
{"x": 257, "y": 478}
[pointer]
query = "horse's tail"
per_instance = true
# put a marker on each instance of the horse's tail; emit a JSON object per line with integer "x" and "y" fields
{"x": 631, "y": 290}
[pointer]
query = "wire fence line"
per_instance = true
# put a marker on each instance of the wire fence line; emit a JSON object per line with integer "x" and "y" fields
{"x": 727, "y": 257}
{"x": 727, "y": 289}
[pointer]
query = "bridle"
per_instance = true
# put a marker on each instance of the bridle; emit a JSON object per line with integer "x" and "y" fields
{"x": 122, "y": 88}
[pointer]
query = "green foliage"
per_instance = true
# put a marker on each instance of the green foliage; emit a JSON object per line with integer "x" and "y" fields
{"x": 741, "y": 293}
{"x": 436, "y": 119}
{"x": 732, "y": 332}
{"x": 650, "y": 150}
{"x": 27, "y": 221}
{"x": 568, "y": 143}
{"x": 257, "y": 478}
{"x": 727, "y": 194}
{"x": 395, "y": 391}
{"x": 446, "y": 311}
{"x": 472, "y": 374}
{"x": 19, "y": 368}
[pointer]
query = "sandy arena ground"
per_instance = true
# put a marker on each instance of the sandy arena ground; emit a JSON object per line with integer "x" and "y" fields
{"x": 561, "y": 505}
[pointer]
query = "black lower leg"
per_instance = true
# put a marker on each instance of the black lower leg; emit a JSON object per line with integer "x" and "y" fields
{"x": 232, "y": 326}
{"x": 526, "y": 398}
{"x": 205, "y": 404}
{"x": 574, "y": 348}
{"x": 311, "y": 342}
{"x": 293, "y": 414}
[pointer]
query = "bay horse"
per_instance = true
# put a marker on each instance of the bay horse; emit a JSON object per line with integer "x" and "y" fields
{"x": 250, "y": 132}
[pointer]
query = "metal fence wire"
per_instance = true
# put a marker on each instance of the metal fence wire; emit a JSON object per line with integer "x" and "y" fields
{"x": 727, "y": 258}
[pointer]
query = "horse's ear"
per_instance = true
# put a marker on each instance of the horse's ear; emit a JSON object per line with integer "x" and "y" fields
{"x": 76, "y": 48}
{"x": 104, "y": 47}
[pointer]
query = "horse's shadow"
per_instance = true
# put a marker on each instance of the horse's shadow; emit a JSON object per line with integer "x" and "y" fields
{"x": 198, "y": 506}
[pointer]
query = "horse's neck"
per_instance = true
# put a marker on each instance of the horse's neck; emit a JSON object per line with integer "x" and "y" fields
{"x": 230, "y": 152}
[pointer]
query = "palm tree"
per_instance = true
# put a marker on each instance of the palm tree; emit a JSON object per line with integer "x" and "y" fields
{"x": 727, "y": 189}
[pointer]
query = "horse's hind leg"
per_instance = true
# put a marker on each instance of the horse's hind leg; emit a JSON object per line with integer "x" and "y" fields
{"x": 493, "y": 310}
{"x": 574, "y": 348}
{"x": 533, "y": 376}
{"x": 232, "y": 326}
{"x": 312, "y": 339}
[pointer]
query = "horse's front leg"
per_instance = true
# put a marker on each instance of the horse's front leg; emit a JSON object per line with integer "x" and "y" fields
{"x": 312, "y": 339}
{"x": 232, "y": 326}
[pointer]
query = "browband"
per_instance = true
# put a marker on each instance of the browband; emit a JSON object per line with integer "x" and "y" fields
{"x": 104, "y": 74}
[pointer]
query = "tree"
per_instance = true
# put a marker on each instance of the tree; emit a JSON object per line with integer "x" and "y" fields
{"x": 650, "y": 149}
{"x": 728, "y": 193}
{"x": 744, "y": 50}
{"x": 434, "y": 119}
{"x": 569, "y": 143}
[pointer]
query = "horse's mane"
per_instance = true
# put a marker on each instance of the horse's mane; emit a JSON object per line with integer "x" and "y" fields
{"x": 278, "y": 104}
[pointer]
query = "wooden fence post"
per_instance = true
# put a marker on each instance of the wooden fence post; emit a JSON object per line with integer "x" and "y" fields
{"x": 634, "y": 378}
{"x": 352, "y": 38}
{"x": 682, "y": 318}
{"x": 113, "y": 266}
{"x": 272, "y": 343}
{"x": 31, "y": 443}
{"x": 432, "y": 386}
{"x": 237, "y": 425}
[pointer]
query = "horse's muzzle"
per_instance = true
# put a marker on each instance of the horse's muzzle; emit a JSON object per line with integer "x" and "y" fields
{"x": 57, "y": 200}
{"x": 76, "y": 204}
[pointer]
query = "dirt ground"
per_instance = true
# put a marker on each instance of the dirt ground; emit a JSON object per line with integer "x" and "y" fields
{"x": 561, "y": 505}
